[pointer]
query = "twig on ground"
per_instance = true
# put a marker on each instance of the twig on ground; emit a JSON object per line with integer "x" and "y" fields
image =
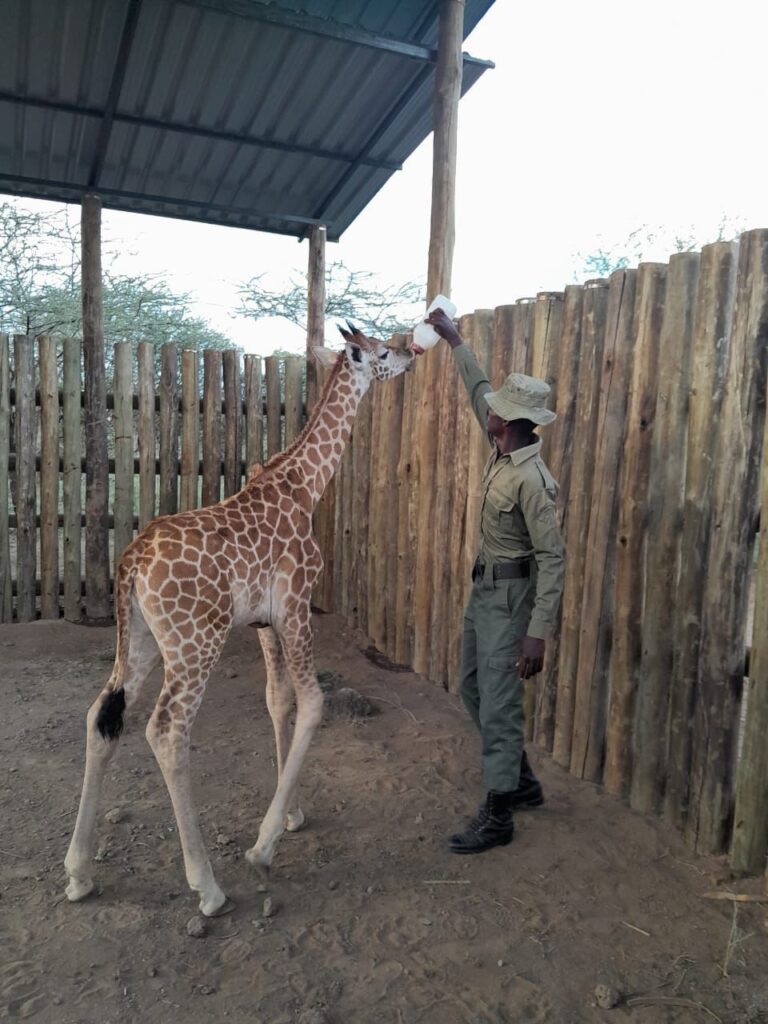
{"x": 736, "y": 897}
{"x": 736, "y": 938}
{"x": 447, "y": 881}
{"x": 399, "y": 707}
{"x": 672, "y": 1001}
{"x": 636, "y": 929}
{"x": 7, "y": 853}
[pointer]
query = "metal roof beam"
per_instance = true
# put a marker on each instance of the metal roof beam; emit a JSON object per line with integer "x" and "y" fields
{"x": 270, "y": 14}
{"x": 115, "y": 88}
{"x": 192, "y": 204}
{"x": 240, "y": 138}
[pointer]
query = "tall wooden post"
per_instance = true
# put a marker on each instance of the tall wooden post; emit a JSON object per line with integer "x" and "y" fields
{"x": 97, "y": 597}
{"x": 445, "y": 114}
{"x": 315, "y": 306}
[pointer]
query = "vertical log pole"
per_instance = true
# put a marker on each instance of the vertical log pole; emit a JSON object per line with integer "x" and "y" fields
{"x": 97, "y": 594}
{"x": 6, "y": 591}
{"x": 49, "y": 480}
{"x": 750, "y": 832}
{"x": 665, "y": 523}
{"x": 147, "y": 446}
{"x": 560, "y": 460}
{"x": 254, "y": 413}
{"x": 589, "y": 723}
{"x": 406, "y": 527}
{"x": 579, "y": 508}
{"x": 169, "y": 431}
{"x": 211, "y": 491}
{"x": 26, "y": 496}
{"x": 293, "y": 403}
{"x": 315, "y": 307}
{"x": 735, "y": 502}
{"x": 72, "y": 475}
{"x": 632, "y": 523}
{"x": 274, "y": 434}
{"x": 233, "y": 415}
{"x": 447, "y": 91}
{"x": 190, "y": 429}
{"x": 123, "y": 424}
{"x": 711, "y": 331}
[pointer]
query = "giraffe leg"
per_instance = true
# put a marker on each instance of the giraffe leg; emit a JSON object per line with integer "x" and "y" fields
{"x": 168, "y": 734}
{"x": 280, "y": 701}
{"x": 297, "y": 647}
{"x": 143, "y": 656}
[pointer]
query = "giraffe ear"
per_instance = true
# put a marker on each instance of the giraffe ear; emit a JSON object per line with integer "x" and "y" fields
{"x": 325, "y": 356}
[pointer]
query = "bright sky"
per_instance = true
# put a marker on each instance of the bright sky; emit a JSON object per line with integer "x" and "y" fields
{"x": 600, "y": 117}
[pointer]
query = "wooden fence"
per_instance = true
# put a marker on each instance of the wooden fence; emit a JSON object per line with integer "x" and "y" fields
{"x": 659, "y": 380}
{"x": 170, "y": 449}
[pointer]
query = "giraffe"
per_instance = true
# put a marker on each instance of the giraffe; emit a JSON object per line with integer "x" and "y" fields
{"x": 181, "y": 586}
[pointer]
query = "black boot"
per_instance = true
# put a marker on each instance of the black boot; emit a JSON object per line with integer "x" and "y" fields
{"x": 493, "y": 826}
{"x": 529, "y": 792}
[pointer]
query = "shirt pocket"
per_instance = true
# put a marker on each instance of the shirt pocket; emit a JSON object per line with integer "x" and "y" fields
{"x": 505, "y": 514}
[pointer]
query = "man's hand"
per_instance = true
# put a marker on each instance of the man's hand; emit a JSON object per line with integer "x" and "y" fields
{"x": 444, "y": 326}
{"x": 531, "y": 660}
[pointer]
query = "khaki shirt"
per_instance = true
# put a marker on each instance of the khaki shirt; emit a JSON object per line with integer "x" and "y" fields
{"x": 518, "y": 516}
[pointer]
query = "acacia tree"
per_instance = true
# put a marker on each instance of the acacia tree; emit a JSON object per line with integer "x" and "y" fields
{"x": 349, "y": 295}
{"x": 40, "y": 290}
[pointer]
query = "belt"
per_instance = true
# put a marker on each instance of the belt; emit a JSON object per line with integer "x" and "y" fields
{"x": 517, "y": 570}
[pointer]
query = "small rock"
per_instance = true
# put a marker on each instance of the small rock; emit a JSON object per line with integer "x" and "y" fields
{"x": 206, "y": 990}
{"x": 606, "y": 996}
{"x": 196, "y": 927}
{"x": 500, "y": 963}
{"x": 151, "y": 972}
{"x": 230, "y": 673}
{"x": 103, "y": 851}
{"x": 370, "y": 890}
{"x": 115, "y": 816}
{"x": 269, "y": 909}
{"x": 261, "y": 887}
{"x": 223, "y": 840}
{"x": 313, "y": 1015}
{"x": 425, "y": 921}
{"x": 333, "y": 884}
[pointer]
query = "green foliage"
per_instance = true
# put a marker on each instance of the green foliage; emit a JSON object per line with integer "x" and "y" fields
{"x": 40, "y": 289}
{"x": 647, "y": 242}
{"x": 350, "y": 295}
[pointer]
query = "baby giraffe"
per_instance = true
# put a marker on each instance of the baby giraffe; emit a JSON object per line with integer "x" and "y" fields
{"x": 182, "y": 585}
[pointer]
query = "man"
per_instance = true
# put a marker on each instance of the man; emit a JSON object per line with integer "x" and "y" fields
{"x": 517, "y": 582}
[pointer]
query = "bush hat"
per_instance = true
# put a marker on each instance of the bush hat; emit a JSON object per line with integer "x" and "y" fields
{"x": 522, "y": 398}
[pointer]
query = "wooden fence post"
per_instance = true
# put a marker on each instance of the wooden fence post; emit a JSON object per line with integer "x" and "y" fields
{"x": 750, "y": 831}
{"x": 146, "y": 431}
{"x": 49, "y": 479}
{"x": 293, "y": 403}
{"x": 72, "y": 477}
{"x": 123, "y": 426}
{"x": 98, "y": 604}
{"x": 406, "y": 527}
{"x": 633, "y": 517}
{"x": 233, "y": 414}
{"x": 190, "y": 429}
{"x": 589, "y": 723}
{"x": 272, "y": 374}
{"x": 6, "y": 592}
{"x": 254, "y": 407}
{"x": 26, "y": 432}
{"x": 665, "y": 522}
{"x": 711, "y": 331}
{"x": 579, "y": 507}
{"x": 211, "y": 490}
{"x": 560, "y": 459}
{"x": 735, "y": 501}
{"x": 315, "y": 307}
{"x": 169, "y": 431}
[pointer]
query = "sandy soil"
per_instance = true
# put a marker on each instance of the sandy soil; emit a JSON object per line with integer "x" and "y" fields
{"x": 373, "y": 921}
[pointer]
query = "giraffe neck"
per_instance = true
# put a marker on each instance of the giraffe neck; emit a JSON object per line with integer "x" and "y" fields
{"x": 317, "y": 451}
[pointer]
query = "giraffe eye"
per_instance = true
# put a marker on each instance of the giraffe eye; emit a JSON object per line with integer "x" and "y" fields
{"x": 385, "y": 355}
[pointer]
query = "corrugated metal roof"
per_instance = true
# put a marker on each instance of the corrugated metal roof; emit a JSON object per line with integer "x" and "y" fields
{"x": 272, "y": 116}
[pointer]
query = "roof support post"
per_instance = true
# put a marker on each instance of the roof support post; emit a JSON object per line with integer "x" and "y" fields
{"x": 315, "y": 306}
{"x": 447, "y": 92}
{"x": 97, "y": 597}
{"x": 446, "y": 117}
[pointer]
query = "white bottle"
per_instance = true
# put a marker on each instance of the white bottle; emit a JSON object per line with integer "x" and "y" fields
{"x": 424, "y": 335}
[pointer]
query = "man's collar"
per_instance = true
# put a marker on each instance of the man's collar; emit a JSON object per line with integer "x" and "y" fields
{"x": 522, "y": 455}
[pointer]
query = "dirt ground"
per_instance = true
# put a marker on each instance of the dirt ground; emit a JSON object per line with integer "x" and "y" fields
{"x": 372, "y": 920}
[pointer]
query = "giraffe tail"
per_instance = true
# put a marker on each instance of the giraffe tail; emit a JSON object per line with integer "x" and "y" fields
{"x": 109, "y": 720}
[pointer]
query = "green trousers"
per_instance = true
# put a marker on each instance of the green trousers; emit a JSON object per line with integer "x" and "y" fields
{"x": 495, "y": 621}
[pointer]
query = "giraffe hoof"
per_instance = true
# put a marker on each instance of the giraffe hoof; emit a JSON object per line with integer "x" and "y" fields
{"x": 256, "y": 859}
{"x": 78, "y": 889}
{"x": 226, "y": 908}
{"x": 295, "y": 820}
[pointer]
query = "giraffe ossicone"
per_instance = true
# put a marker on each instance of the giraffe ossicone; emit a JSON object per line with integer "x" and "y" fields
{"x": 181, "y": 586}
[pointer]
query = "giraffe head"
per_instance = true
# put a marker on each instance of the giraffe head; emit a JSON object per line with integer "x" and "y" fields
{"x": 372, "y": 359}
